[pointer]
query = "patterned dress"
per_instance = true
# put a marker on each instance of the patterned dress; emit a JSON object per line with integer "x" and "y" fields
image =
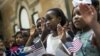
{"x": 87, "y": 49}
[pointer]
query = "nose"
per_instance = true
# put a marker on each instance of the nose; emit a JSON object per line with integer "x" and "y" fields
{"x": 48, "y": 23}
{"x": 76, "y": 17}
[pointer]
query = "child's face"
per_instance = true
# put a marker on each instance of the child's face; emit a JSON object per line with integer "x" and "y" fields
{"x": 2, "y": 47}
{"x": 77, "y": 19}
{"x": 39, "y": 26}
{"x": 19, "y": 39}
{"x": 52, "y": 20}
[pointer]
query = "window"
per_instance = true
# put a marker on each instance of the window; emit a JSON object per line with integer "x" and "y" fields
{"x": 16, "y": 28}
{"x": 24, "y": 19}
{"x": 35, "y": 16}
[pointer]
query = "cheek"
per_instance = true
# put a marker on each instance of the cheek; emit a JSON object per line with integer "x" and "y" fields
{"x": 82, "y": 22}
{"x": 54, "y": 24}
{"x": 17, "y": 40}
{"x": 22, "y": 40}
{"x": 73, "y": 21}
{"x": 51, "y": 23}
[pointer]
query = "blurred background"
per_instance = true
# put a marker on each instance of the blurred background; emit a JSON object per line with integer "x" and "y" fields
{"x": 17, "y": 15}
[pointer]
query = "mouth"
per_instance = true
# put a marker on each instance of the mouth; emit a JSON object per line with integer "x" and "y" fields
{"x": 77, "y": 22}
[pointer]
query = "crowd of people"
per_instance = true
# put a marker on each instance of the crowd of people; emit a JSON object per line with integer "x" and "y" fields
{"x": 54, "y": 33}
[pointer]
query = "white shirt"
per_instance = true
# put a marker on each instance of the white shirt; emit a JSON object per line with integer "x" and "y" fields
{"x": 52, "y": 44}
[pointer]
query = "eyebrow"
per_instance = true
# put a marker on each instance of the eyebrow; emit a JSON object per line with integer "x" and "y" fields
{"x": 48, "y": 17}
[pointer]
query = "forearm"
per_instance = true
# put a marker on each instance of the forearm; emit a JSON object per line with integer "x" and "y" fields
{"x": 28, "y": 43}
{"x": 96, "y": 29}
{"x": 30, "y": 40}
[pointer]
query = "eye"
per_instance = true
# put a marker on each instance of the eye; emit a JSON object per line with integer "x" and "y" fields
{"x": 38, "y": 25}
{"x": 48, "y": 17}
{"x": 78, "y": 13}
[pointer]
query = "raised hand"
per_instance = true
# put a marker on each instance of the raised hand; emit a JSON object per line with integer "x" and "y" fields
{"x": 90, "y": 17}
{"x": 32, "y": 30}
{"x": 43, "y": 25}
{"x": 60, "y": 30}
{"x": 88, "y": 13}
{"x": 32, "y": 33}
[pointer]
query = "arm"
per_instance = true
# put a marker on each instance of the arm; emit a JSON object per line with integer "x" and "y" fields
{"x": 28, "y": 43}
{"x": 96, "y": 30}
{"x": 31, "y": 38}
{"x": 44, "y": 35}
{"x": 90, "y": 18}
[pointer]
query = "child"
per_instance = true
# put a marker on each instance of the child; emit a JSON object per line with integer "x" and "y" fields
{"x": 2, "y": 49}
{"x": 54, "y": 17}
{"x": 84, "y": 33}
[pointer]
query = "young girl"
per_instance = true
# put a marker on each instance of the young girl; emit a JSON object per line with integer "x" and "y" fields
{"x": 54, "y": 17}
{"x": 84, "y": 33}
{"x": 20, "y": 41}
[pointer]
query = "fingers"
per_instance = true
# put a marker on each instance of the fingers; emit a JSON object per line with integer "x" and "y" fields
{"x": 32, "y": 31}
{"x": 60, "y": 28}
{"x": 93, "y": 10}
{"x": 83, "y": 7}
{"x": 86, "y": 9}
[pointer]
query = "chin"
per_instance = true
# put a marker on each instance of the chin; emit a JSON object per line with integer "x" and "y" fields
{"x": 78, "y": 27}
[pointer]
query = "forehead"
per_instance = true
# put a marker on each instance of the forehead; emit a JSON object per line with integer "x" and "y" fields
{"x": 50, "y": 13}
{"x": 39, "y": 20}
{"x": 76, "y": 9}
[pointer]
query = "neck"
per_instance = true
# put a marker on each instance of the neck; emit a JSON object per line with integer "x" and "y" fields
{"x": 54, "y": 33}
{"x": 85, "y": 29}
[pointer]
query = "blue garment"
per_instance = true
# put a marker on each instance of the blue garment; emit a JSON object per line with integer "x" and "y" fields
{"x": 20, "y": 51}
{"x": 9, "y": 53}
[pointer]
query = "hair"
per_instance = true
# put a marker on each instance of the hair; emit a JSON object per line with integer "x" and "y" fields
{"x": 39, "y": 19}
{"x": 59, "y": 12}
{"x": 19, "y": 32}
{"x": 95, "y": 3}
